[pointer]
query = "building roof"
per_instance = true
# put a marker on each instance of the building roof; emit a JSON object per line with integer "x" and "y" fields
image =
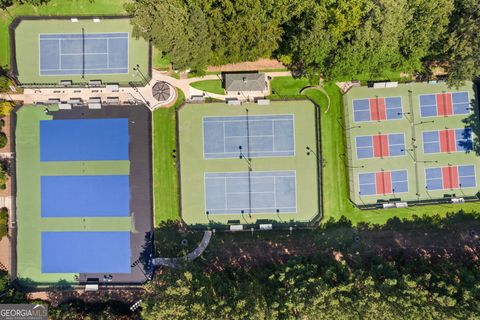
{"x": 245, "y": 82}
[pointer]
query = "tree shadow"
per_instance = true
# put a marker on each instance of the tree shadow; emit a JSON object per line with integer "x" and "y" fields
{"x": 173, "y": 239}
{"x": 440, "y": 236}
{"x": 472, "y": 122}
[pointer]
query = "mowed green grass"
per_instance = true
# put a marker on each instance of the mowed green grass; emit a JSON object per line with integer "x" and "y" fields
{"x": 54, "y": 8}
{"x": 287, "y": 87}
{"x": 336, "y": 202}
{"x": 160, "y": 62}
{"x": 165, "y": 175}
{"x": 212, "y": 86}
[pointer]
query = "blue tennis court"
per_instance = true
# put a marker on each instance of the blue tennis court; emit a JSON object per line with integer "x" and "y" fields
{"x": 258, "y": 136}
{"x": 250, "y": 192}
{"x": 377, "y": 109}
{"x": 447, "y": 140}
{"x": 444, "y": 104}
{"x": 381, "y": 145}
{"x": 450, "y": 177}
{"x": 85, "y": 196}
{"x": 83, "y": 53}
{"x": 85, "y": 139}
{"x": 383, "y": 182}
{"x": 86, "y": 252}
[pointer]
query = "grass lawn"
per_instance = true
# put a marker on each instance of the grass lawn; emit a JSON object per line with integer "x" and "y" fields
{"x": 165, "y": 180}
{"x": 212, "y": 86}
{"x": 159, "y": 62}
{"x": 52, "y": 8}
{"x": 287, "y": 87}
{"x": 335, "y": 180}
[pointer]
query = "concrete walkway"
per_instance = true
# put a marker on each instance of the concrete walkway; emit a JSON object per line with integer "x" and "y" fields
{"x": 177, "y": 262}
{"x": 129, "y": 95}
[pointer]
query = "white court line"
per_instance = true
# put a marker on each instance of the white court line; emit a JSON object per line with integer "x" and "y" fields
{"x": 251, "y": 136}
{"x": 59, "y": 55}
{"x": 273, "y": 135}
{"x": 73, "y": 69}
{"x": 224, "y": 147}
{"x": 84, "y": 54}
{"x": 105, "y": 70}
{"x": 108, "y": 53}
{"x": 249, "y": 120}
{"x": 224, "y": 178}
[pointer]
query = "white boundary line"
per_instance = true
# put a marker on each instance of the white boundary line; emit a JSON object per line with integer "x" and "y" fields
{"x": 86, "y": 73}
{"x": 369, "y": 110}
{"x": 391, "y": 180}
{"x": 243, "y": 176}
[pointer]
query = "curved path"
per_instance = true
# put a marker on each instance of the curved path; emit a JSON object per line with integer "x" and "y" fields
{"x": 176, "y": 262}
{"x": 125, "y": 94}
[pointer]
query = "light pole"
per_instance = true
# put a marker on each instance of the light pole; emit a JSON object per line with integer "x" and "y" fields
{"x": 138, "y": 91}
{"x": 247, "y": 160}
{"x": 405, "y": 115}
{"x": 360, "y": 197}
{"x": 408, "y": 151}
{"x": 349, "y": 128}
{"x": 137, "y": 68}
{"x": 346, "y": 163}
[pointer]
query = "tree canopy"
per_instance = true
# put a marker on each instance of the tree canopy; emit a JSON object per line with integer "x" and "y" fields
{"x": 333, "y": 38}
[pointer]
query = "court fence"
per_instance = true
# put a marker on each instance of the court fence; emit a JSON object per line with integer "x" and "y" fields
{"x": 79, "y": 84}
{"x": 259, "y": 224}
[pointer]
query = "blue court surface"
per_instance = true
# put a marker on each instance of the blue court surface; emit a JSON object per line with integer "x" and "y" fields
{"x": 254, "y": 192}
{"x": 86, "y": 252}
{"x": 258, "y": 136}
{"x": 377, "y": 109}
{"x": 438, "y": 140}
{"x": 388, "y": 182}
{"x": 381, "y": 145}
{"x": 85, "y": 196}
{"x": 88, "y": 53}
{"x": 444, "y": 104}
{"x": 86, "y": 139}
{"x": 451, "y": 177}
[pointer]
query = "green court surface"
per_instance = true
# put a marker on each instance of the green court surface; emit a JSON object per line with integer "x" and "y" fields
{"x": 26, "y": 63}
{"x": 194, "y": 166}
{"x": 29, "y": 221}
{"x": 415, "y": 160}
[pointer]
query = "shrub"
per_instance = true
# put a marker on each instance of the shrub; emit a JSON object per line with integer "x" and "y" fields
{"x": 3, "y": 140}
{"x": 3, "y": 222}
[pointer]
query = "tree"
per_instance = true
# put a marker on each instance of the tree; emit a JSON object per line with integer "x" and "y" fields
{"x": 4, "y": 83}
{"x": 176, "y": 28}
{"x": 5, "y": 108}
{"x": 462, "y": 42}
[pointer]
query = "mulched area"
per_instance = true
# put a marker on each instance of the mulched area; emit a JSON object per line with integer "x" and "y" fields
{"x": 8, "y": 148}
{"x": 252, "y": 252}
{"x": 55, "y": 297}
{"x": 260, "y": 64}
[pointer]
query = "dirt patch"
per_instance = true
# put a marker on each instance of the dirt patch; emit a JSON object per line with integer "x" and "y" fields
{"x": 260, "y": 64}
{"x": 5, "y": 254}
{"x": 59, "y": 296}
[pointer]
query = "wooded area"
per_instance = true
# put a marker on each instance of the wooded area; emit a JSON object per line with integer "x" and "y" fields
{"x": 427, "y": 276}
{"x": 335, "y": 39}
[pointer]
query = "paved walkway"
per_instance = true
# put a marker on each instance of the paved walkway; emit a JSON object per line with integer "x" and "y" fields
{"x": 126, "y": 94}
{"x": 176, "y": 262}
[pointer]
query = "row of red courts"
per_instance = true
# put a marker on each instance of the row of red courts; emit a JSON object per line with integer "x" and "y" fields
{"x": 431, "y": 105}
